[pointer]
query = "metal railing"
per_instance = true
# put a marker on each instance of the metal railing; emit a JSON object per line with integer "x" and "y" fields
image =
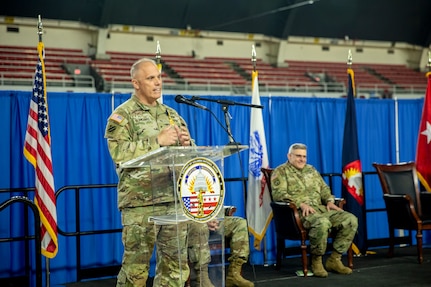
{"x": 112, "y": 270}
{"x": 81, "y": 272}
{"x": 59, "y": 80}
{"x": 226, "y": 87}
{"x": 37, "y": 239}
{"x": 217, "y": 86}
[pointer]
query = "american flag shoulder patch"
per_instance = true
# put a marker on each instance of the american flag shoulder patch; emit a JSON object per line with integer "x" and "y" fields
{"x": 117, "y": 118}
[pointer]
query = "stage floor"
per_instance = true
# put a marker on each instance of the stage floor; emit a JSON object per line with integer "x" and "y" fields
{"x": 370, "y": 270}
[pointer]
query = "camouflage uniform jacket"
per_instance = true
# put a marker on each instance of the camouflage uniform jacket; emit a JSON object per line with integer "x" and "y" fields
{"x": 300, "y": 186}
{"x": 132, "y": 131}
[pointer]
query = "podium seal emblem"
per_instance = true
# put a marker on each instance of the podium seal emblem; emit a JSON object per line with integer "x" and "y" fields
{"x": 201, "y": 189}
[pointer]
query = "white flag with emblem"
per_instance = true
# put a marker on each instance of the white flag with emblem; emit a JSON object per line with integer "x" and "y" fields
{"x": 259, "y": 212}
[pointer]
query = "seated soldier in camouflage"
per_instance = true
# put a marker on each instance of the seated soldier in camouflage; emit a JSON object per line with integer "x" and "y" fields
{"x": 236, "y": 231}
{"x": 302, "y": 184}
{"x": 139, "y": 126}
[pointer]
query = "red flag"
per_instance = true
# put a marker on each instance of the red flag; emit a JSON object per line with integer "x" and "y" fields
{"x": 37, "y": 150}
{"x": 423, "y": 151}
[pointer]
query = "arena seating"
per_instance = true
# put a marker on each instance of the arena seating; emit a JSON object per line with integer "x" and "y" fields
{"x": 205, "y": 71}
{"x": 115, "y": 71}
{"x": 176, "y": 70}
{"x": 399, "y": 75}
{"x": 186, "y": 72}
{"x": 18, "y": 64}
{"x": 271, "y": 76}
{"x": 368, "y": 76}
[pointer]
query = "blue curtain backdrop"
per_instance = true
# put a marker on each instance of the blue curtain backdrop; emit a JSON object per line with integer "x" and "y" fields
{"x": 80, "y": 157}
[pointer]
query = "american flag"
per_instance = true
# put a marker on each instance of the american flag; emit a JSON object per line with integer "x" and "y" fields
{"x": 192, "y": 204}
{"x": 37, "y": 150}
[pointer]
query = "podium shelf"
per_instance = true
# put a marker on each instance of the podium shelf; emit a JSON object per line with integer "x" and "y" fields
{"x": 181, "y": 154}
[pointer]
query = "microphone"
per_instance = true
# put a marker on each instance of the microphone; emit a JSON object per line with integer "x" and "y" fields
{"x": 181, "y": 100}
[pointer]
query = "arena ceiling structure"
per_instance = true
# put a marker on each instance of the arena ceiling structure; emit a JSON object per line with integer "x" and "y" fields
{"x": 380, "y": 20}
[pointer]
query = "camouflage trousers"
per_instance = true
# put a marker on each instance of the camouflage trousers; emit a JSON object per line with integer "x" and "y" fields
{"x": 234, "y": 229}
{"x": 139, "y": 238}
{"x": 197, "y": 241}
{"x": 342, "y": 223}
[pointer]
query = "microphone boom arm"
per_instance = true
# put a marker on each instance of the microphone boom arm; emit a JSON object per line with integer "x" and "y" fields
{"x": 225, "y": 106}
{"x": 224, "y": 102}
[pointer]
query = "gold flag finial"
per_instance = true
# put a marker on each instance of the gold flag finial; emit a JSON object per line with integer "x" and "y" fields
{"x": 39, "y": 28}
{"x": 349, "y": 58}
{"x": 158, "y": 51}
{"x": 429, "y": 61}
{"x": 253, "y": 57}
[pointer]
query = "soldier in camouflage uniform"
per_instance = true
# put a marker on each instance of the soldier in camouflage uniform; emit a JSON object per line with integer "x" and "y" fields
{"x": 138, "y": 126}
{"x": 235, "y": 230}
{"x": 302, "y": 184}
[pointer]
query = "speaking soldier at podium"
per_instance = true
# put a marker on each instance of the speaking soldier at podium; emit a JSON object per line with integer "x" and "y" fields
{"x": 138, "y": 126}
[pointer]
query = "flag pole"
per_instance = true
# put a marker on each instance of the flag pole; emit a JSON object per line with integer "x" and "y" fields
{"x": 245, "y": 191}
{"x": 253, "y": 61}
{"x": 158, "y": 51}
{"x": 40, "y": 33}
{"x": 352, "y": 167}
{"x": 39, "y": 28}
{"x": 349, "y": 68}
{"x": 159, "y": 65}
{"x": 429, "y": 61}
{"x": 349, "y": 59}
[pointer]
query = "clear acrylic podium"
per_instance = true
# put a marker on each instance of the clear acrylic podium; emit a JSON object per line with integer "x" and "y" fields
{"x": 171, "y": 161}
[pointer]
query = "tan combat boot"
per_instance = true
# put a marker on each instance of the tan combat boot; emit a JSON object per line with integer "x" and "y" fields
{"x": 234, "y": 278}
{"x": 334, "y": 264}
{"x": 317, "y": 266}
{"x": 202, "y": 278}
